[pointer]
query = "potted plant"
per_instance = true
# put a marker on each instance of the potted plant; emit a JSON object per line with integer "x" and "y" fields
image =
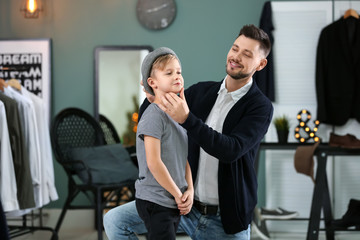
{"x": 282, "y": 125}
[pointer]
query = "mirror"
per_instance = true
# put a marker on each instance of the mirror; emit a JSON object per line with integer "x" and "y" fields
{"x": 118, "y": 92}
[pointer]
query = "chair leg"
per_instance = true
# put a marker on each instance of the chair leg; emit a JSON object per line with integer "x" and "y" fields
{"x": 99, "y": 214}
{"x": 71, "y": 196}
{"x": 61, "y": 218}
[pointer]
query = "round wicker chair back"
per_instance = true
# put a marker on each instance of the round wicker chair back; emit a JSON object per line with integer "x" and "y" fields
{"x": 110, "y": 133}
{"x": 72, "y": 128}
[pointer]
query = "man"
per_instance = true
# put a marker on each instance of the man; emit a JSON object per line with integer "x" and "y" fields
{"x": 225, "y": 123}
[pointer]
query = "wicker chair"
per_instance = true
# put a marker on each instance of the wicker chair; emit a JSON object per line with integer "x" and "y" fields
{"x": 72, "y": 129}
{"x": 110, "y": 133}
{"x": 112, "y": 137}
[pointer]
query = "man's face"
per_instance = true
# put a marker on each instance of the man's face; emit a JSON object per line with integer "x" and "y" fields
{"x": 244, "y": 58}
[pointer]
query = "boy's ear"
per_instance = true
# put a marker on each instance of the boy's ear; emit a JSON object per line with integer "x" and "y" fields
{"x": 151, "y": 82}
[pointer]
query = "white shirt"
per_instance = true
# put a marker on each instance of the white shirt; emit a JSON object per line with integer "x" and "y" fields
{"x": 8, "y": 189}
{"x": 31, "y": 137}
{"x": 206, "y": 184}
{"x": 48, "y": 189}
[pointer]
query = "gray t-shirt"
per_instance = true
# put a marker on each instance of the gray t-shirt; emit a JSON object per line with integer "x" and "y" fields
{"x": 174, "y": 150}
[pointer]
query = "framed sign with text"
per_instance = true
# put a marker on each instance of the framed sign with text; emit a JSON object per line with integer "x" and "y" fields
{"x": 29, "y": 62}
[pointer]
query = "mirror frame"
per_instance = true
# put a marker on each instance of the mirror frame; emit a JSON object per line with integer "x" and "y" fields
{"x": 97, "y": 51}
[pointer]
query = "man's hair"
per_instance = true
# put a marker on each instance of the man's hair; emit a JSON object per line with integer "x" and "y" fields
{"x": 161, "y": 62}
{"x": 253, "y": 32}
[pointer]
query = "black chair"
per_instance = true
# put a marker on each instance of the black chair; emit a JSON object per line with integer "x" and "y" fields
{"x": 110, "y": 133}
{"x": 112, "y": 137}
{"x": 73, "y": 129}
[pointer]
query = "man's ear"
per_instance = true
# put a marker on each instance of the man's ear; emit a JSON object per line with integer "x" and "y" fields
{"x": 262, "y": 64}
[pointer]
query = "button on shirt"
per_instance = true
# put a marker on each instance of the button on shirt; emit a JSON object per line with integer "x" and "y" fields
{"x": 206, "y": 184}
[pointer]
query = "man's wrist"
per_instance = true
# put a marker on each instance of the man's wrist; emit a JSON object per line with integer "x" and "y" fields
{"x": 185, "y": 118}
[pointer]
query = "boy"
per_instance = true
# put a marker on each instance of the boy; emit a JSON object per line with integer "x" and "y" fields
{"x": 165, "y": 180}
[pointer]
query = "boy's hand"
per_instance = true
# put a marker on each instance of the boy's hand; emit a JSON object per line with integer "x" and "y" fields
{"x": 178, "y": 200}
{"x": 186, "y": 203}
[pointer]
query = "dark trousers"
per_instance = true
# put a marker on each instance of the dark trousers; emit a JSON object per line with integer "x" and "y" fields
{"x": 161, "y": 222}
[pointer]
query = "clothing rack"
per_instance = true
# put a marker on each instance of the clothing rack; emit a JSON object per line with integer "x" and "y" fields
{"x": 17, "y": 229}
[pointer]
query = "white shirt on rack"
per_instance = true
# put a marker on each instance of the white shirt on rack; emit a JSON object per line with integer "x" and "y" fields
{"x": 48, "y": 189}
{"x": 8, "y": 189}
{"x": 31, "y": 137}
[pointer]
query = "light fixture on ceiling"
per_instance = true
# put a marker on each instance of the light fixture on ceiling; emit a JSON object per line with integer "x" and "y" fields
{"x": 31, "y": 8}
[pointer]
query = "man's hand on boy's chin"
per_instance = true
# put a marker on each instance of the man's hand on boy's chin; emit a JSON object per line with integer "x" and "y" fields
{"x": 175, "y": 106}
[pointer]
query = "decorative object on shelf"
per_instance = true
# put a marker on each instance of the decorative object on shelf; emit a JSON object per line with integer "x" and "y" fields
{"x": 31, "y": 8}
{"x": 282, "y": 125}
{"x": 344, "y": 141}
{"x": 156, "y": 14}
{"x": 304, "y": 132}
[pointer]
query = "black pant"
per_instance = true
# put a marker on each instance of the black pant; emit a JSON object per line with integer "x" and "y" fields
{"x": 161, "y": 222}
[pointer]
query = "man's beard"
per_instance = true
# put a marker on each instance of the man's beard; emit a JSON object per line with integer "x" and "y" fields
{"x": 238, "y": 75}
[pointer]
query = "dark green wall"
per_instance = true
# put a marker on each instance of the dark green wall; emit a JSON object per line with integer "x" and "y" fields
{"x": 201, "y": 35}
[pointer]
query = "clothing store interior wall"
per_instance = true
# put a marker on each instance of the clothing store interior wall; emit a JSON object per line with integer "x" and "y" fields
{"x": 201, "y": 35}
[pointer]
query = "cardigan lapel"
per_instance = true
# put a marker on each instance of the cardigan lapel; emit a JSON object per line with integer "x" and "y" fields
{"x": 210, "y": 97}
{"x": 234, "y": 112}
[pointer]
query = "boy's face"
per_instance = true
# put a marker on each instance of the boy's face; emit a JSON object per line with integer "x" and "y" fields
{"x": 168, "y": 79}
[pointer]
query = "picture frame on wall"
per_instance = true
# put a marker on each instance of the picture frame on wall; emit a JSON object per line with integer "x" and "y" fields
{"x": 29, "y": 62}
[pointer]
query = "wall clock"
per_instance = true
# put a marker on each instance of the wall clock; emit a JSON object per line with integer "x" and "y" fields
{"x": 156, "y": 14}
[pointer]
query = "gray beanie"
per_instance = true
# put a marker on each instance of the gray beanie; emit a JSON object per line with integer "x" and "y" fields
{"x": 148, "y": 62}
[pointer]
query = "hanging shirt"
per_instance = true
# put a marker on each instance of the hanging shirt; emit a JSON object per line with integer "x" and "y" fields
{"x": 48, "y": 189}
{"x": 206, "y": 184}
{"x": 31, "y": 138}
{"x": 8, "y": 189}
{"x": 25, "y": 191}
